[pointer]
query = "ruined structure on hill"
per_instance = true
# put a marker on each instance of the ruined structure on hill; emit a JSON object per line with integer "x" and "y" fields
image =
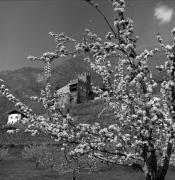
{"x": 77, "y": 91}
{"x": 81, "y": 89}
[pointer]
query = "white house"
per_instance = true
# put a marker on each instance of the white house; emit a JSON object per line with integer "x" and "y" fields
{"x": 14, "y": 116}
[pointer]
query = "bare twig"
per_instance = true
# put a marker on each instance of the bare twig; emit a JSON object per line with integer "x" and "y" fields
{"x": 101, "y": 13}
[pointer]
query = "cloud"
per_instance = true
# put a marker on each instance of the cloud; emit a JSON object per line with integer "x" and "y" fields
{"x": 163, "y": 13}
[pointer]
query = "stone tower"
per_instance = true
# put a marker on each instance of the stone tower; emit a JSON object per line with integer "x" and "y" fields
{"x": 80, "y": 88}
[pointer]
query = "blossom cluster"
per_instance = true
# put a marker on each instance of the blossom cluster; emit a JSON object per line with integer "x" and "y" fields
{"x": 6, "y": 92}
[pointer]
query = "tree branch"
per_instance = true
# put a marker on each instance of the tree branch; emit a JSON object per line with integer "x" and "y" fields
{"x": 133, "y": 165}
{"x": 101, "y": 13}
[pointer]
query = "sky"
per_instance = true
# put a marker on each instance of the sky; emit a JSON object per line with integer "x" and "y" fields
{"x": 25, "y": 24}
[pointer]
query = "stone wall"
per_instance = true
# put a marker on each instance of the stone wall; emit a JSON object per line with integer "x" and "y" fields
{"x": 84, "y": 87}
{"x": 80, "y": 90}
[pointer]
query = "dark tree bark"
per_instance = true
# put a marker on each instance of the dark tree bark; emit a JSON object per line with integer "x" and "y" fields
{"x": 150, "y": 168}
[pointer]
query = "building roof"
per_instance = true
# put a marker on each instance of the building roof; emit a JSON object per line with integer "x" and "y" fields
{"x": 74, "y": 81}
{"x": 63, "y": 90}
{"x": 16, "y": 112}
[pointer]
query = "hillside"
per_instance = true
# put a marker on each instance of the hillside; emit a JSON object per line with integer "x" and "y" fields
{"x": 25, "y": 81}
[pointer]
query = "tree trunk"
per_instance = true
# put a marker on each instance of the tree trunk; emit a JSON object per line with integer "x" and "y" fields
{"x": 150, "y": 174}
{"x": 153, "y": 174}
{"x": 162, "y": 170}
{"x": 150, "y": 165}
{"x": 73, "y": 175}
{"x": 149, "y": 177}
{"x": 151, "y": 169}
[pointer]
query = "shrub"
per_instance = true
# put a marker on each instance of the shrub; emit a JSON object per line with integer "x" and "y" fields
{"x": 40, "y": 155}
{"x": 48, "y": 161}
{"x": 3, "y": 153}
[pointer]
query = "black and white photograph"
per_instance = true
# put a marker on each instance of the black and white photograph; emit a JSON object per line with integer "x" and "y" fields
{"x": 87, "y": 89}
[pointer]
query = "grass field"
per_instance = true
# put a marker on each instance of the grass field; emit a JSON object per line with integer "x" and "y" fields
{"x": 16, "y": 168}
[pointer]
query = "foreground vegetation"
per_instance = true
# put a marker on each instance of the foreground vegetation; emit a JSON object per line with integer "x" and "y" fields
{"x": 15, "y": 167}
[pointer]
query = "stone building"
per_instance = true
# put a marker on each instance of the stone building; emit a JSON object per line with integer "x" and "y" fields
{"x": 81, "y": 89}
{"x": 63, "y": 97}
{"x": 77, "y": 91}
